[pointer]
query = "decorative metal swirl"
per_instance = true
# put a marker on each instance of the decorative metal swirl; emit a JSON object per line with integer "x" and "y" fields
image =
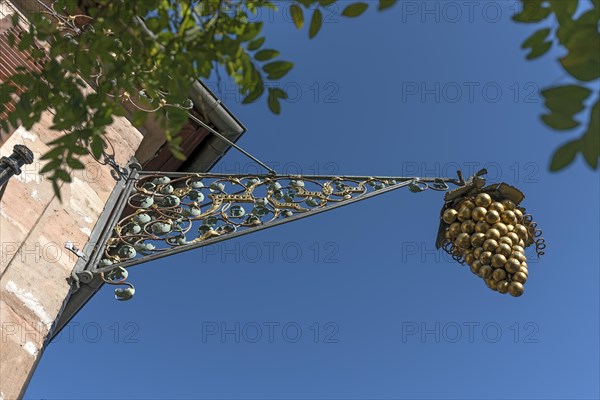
{"x": 188, "y": 210}
{"x": 117, "y": 276}
{"x": 72, "y": 25}
{"x": 453, "y": 251}
{"x": 66, "y": 22}
{"x": 117, "y": 172}
{"x": 167, "y": 214}
{"x": 535, "y": 235}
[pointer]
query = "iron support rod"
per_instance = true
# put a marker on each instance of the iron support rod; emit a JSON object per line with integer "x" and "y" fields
{"x": 229, "y": 142}
{"x": 351, "y": 177}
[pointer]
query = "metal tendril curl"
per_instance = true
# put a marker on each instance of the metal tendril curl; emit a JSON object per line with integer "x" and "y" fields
{"x": 166, "y": 212}
{"x": 448, "y": 247}
{"x": 68, "y": 25}
{"x": 117, "y": 276}
{"x": 169, "y": 214}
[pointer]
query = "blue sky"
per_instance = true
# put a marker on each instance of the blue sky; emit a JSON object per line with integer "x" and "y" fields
{"x": 413, "y": 91}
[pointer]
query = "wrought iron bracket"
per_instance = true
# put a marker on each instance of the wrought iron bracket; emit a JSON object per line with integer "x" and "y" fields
{"x": 158, "y": 214}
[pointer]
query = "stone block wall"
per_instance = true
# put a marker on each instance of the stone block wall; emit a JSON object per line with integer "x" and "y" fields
{"x": 34, "y": 227}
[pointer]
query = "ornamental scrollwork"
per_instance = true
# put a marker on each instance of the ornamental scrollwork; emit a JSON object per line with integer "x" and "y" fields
{"x": 168, "y": 212}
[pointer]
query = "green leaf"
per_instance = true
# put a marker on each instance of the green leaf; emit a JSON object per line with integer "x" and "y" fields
{"x": 297, "y": 15}
{"x": 355, "y": 9}
{"x": 26, "y": 41}
{"x": 384, "y": 4}
{"x": 536, "y": 38}
{"x": 75, "y": 164}
{"x": 51, "y": 166}
{"x": 273, "y": 102}
{"x": 567, "y": 92}
{"x": 590, "y": 141}
{"x": 306, "y": 3}
{"x": 563, "y": 9}
{"x": 254, "y": 94}
{"x": 539, "y": 50}
{"x": 56, "y": 189}
{"x": 81, "y": 151}
{"x": 564, "y": 155}
{"x": 100, "y": 120}
{"x": 277, "y": 69}
{"x": 583, "y": 60}
{"x": 139, "y": 118}
{"x": 559, "y": 122}
{"x": 256, "y": 43}
{"x": 21, "y": 79}
{"x": 177, "y": 116}
{"x": 120, "y": 111}
{"x": 564, "y": 31}
{"x": 252, "y": 30}
{"x": 53, "y": 153}
{"x": 536, "y": 43}
{"x": 315, "y": 23}
{"x": 177, "y": 153}
{"x": 265, "y": 55}
{"x": 62, "y": 175}
{"x": 62, "y": 140}
{"x": 97, "y": 146}
{"x": 567, "y": 99}
{"x": 279, "y": 93}
{"x": 568, "y": 27}
{"x": 532, "y": 11}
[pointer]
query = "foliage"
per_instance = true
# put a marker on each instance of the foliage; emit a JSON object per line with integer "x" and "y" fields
{"x": 150, "y": 62}
{"x": 98, "y": 56}
{"x": 579, "y": 36}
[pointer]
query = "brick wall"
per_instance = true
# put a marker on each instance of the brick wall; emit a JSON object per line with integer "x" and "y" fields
{"x": 34, "y": 226}
{"x": 10, "y": 58}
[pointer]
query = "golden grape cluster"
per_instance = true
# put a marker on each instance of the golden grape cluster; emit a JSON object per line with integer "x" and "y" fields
{"x": 490, "y": 235}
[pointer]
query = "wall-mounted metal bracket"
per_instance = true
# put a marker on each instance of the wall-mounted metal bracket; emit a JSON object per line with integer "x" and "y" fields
{"x": 159, "y": 214}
